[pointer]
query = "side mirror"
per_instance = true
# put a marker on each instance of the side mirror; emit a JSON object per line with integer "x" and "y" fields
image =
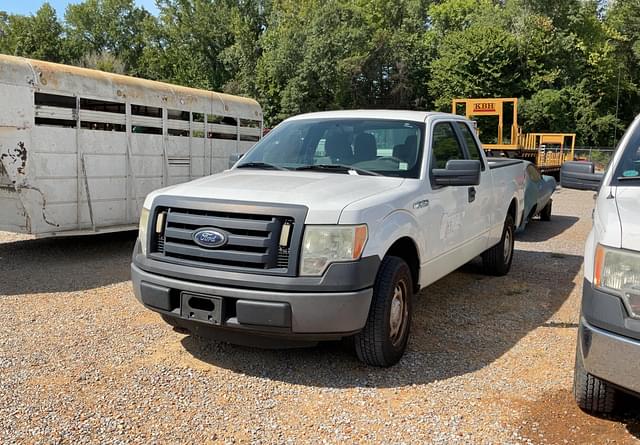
{"x": 235, "y": 158}
{"x": 458, "y": 172}
{"x": 580, "y": 175}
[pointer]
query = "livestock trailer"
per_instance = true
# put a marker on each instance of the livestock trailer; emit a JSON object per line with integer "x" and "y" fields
{"x": 80, "y": 148}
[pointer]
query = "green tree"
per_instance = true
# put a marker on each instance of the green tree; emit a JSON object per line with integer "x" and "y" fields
{"x": 107, "y": 26}
{"x": 240, "y": 58}
{"x": 624, "y": 17}
{"x": 341, "y": 54}
{"x": 38, "y": 36}
{"x": 186, "y": 43}
{"x": 480, "y": 61}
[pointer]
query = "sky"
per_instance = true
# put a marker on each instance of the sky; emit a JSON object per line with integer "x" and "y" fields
{"x": 31, "y": 6}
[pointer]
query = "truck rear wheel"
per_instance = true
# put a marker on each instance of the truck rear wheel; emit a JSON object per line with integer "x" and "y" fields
{"x": 592, "y": 394}
{"x": 383, "y": 340}
{"x": 497, "y": 260}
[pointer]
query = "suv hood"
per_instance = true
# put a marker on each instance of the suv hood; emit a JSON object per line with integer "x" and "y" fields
{"x": 627, "y": 199}
{"x": 324, "y": 194}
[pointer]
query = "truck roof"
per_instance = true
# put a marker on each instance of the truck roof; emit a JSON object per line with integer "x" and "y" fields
{"x": 419, "y": 116}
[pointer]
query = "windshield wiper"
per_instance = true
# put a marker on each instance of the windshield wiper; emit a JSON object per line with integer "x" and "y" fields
{"x": 261, "y": 165}
{"x": 628, "y": 178}
{"x": 338, "y": 168}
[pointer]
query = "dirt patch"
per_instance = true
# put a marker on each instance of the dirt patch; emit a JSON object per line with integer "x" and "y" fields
{"x": 556, "y": 419}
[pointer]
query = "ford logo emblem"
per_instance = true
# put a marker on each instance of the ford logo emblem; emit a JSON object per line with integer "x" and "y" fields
{"x": 210, "y": 238}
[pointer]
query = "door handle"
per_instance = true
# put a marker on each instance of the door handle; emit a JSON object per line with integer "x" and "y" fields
{"x": 472, "y": 194}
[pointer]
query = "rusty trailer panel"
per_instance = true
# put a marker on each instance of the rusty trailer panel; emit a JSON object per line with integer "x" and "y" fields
{"x": 80, "y": 149}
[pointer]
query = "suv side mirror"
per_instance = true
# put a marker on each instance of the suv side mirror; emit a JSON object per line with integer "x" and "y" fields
{"x": 580, "y": 175}
{"x": 458, "y": 172}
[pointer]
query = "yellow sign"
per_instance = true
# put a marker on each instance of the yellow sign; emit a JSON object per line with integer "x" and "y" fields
{"x": 484, "y": 107}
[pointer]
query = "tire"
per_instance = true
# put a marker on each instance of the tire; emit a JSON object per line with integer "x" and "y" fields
{"x": 592, "y": 394}
{"x": 497, "y": 260}
{"x": 545, "y": 214}
{"x": 383, "y": 340}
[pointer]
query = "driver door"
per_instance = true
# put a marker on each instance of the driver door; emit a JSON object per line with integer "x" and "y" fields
{"x": 446, "y": 216}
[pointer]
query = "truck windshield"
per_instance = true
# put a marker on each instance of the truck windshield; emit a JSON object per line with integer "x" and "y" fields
{"x": 628, "y": 169}
{"x": 375, "y": 146}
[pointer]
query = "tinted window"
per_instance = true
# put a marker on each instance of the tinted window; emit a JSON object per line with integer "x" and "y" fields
{"x": 472, "y": 146}
{"x": 445, "y": 145}
{"x": 388, "y": 147}
{"x": 628, "y": 170}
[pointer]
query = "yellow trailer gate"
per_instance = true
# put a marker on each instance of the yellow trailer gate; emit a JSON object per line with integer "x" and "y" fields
{"x": 546, "y": 150}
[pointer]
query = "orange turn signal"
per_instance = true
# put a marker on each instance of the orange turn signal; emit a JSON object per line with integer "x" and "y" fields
{"x": 598, "y": 265}
{"x": 360, "y": 238}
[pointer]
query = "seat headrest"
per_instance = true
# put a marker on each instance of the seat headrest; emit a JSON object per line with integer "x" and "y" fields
{"x": 338, "y": 149}
{"x": 365, "y": 147}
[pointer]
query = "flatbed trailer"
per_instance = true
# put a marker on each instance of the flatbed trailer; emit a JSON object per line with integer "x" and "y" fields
{"x": 548, "y": 151}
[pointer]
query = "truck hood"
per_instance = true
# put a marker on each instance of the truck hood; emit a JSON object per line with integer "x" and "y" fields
{"x": 324, "y": 194}
{"x": 627, "y": 199}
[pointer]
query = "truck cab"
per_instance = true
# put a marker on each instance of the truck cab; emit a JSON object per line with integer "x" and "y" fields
{"x": 326, "y": 229}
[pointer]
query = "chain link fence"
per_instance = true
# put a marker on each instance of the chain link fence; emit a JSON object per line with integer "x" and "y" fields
{"x": 600, "y": 156}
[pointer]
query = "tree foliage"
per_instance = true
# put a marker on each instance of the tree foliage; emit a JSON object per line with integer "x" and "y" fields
{"x": 39, "y": 36}
{"x": 574, "y": 63}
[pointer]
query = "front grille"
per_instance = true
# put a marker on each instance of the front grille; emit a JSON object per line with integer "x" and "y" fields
{"x": 253, "y": 242}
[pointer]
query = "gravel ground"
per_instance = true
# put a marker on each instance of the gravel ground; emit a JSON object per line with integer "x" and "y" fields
{"x": 490, "y": 359}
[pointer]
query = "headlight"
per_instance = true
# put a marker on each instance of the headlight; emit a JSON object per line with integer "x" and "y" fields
{"x": 618, "y": 271}
{"x": 143, "y": 228}
{"x": 323, "y": 245}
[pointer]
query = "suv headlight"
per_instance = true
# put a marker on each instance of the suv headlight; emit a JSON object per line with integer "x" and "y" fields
{"x": 143, "y": 228}
{"x": 323, "y": 245}
{"x": 618, "y": 271}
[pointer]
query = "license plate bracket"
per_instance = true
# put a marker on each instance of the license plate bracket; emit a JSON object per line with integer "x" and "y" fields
{"x": 204, "y": 308}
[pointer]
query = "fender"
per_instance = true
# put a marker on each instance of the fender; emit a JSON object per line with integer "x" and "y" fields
{"x": 396, "y": 225}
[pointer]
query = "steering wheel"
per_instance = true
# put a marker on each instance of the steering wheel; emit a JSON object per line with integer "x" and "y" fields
{"x": 390, "y": 158}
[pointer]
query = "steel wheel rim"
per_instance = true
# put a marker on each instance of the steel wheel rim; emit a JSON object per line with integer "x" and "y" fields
{"x": 508, "y": 241}
{"x": 398, "y": 313}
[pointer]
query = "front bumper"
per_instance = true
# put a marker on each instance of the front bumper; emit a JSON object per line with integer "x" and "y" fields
{"x": 308, "y": 315}
{"x": 610, "y": 357}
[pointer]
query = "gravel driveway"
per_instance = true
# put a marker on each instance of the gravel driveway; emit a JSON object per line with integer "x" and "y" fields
{"x": 490, "y": 359}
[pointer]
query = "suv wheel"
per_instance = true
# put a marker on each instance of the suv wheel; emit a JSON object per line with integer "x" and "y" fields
{"x": 384, "y": 337}
{"x": 592, "y": 394}
{"x": 497, "y": 260}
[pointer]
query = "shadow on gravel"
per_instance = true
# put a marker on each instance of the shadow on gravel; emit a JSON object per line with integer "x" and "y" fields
{"x": 65, "y": 264}
{"x": 630, "y": 416}
{"x": 537, "y": 230}
{"x": 461, "y": 323}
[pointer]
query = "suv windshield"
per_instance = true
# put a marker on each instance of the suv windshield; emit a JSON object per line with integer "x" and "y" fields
{"x": 628, "y": 170}
{"x": 371, "y": 146}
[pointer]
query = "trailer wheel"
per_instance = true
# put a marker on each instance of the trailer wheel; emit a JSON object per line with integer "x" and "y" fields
{"x": 383, "y": 340}
{"x": 497, "y": 260}
{"x": 592, "y": 394}
{"x": 545, "y": 214}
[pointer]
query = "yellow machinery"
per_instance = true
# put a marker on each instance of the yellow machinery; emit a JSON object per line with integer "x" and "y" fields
{"x": 547, "y": 150}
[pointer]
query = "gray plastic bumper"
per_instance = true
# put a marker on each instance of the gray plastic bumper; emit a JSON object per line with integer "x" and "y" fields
{"x": 610, "y": 357}
{"x": 264, "y": 311}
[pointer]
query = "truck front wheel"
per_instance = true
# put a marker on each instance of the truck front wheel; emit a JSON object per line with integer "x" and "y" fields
{"x": 592, "y": 394}
{"x": 384, "y": 337}
{"x": 497, "y": 260}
